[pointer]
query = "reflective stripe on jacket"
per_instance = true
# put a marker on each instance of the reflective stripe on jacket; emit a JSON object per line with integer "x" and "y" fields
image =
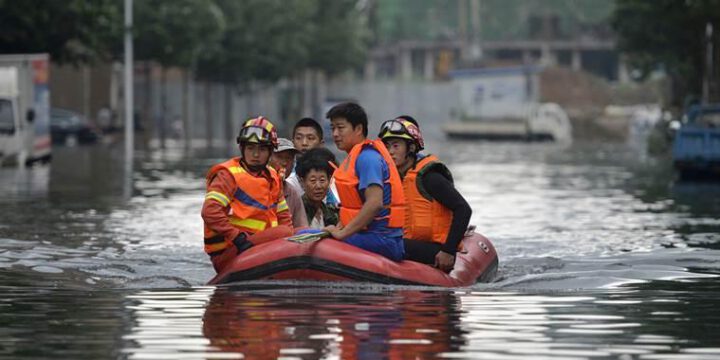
{"x": 347, "y": 182}
{"x": 252, "y": 208}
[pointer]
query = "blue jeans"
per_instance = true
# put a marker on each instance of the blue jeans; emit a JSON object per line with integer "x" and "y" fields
{"x": 390, "y": 247}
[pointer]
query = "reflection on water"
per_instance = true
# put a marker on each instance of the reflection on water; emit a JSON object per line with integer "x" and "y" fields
{"x": 265, "y": 322}
{"x": 601, "y": 256}
{"x": 47, "y": 321}
{"x": 79, "y": 176}
{"x": 367, "y": 325}
{"x": 24, "y": 184}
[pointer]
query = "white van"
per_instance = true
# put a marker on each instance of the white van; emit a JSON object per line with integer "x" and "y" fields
{"x": 24, "y": 109}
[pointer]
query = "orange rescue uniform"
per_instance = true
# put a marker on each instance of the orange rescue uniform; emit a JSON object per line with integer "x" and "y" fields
{"x": 346, "y": 182}
{"x": 238, "y": 201}
{"x": 425, "y": 218}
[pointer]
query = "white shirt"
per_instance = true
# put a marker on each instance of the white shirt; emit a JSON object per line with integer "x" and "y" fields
{"x": 317, "y": 222}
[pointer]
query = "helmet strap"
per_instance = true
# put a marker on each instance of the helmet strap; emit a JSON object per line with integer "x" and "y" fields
{"x": 252, "y": 168}
{"x": 411, "y": 149}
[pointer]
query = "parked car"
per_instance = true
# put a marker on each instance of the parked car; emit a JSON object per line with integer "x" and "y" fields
{"x": 69, "y": 127}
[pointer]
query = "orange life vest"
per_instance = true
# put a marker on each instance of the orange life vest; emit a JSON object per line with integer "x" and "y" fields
{"x": 253, "y": 207}
{"x": 346, "y": 182}
{"x": 425, "y": 218}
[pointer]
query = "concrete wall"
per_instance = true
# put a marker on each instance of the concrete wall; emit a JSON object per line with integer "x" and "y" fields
{"x": 81, "y": 89}
{"x": 431, "y": 103}
{"x": 263, "y": 101}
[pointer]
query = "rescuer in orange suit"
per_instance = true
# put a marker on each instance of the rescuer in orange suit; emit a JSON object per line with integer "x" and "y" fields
{"x": 436, "y": 215}
{"x": 244, "y": 203}
{"x": 371, "y": 195}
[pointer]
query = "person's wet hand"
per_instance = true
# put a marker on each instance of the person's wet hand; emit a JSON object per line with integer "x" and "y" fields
{"x": 242, "y": 243}
{"x": 444, "y": 261}
{"x": 335, "y": 231}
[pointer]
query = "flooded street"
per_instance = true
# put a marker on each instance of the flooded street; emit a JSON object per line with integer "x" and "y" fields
{"x": 602, "y": 255}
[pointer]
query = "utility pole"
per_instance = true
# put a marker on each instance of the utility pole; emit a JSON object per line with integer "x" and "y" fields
{"x": 129, "y": 125}
{"x": 707, "y": 79}
{"x": 475, "y": 48}
{"x": 462, "y": 30}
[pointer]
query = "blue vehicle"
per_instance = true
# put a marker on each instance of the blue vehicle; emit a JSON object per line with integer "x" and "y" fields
{"x": 696, "y": 149}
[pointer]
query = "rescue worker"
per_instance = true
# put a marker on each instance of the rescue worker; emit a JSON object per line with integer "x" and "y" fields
{"x": 244, "y": 204}
{"x": 436, "y": 215}
{"x": 372, "y": 204}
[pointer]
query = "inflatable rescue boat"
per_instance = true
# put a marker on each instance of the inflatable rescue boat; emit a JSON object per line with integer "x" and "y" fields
{"x": 332, "y": 260}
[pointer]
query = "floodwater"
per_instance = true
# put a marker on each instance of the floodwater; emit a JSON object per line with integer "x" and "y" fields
{"x": 603, "y": 255}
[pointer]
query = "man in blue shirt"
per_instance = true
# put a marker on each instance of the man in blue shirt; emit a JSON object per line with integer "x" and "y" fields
{"x": 372, "y": 202}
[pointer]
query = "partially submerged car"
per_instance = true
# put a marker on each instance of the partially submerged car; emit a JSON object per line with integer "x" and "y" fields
{"x": 69, "y": 128}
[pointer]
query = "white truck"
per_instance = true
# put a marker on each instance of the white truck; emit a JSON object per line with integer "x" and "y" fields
{"x": 24, "y": 109}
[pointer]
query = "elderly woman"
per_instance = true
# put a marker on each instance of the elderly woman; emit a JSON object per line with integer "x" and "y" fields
{"x": 315, "y": 169}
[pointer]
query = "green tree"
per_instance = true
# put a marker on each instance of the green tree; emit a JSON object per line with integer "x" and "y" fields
{"x": 669, "y": 33}
{"x": 170, "y": 31}
{"x": 340, "y": 36}
{"x": 267, "y": 40}
{"x": 264, "y": 40}
{"x": 72, "y": 31}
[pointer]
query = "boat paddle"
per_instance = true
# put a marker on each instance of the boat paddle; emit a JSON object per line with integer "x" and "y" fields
{"x": 309, "y": 237}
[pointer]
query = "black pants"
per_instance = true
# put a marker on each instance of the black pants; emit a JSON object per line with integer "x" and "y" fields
{"x": 421, "y": 251}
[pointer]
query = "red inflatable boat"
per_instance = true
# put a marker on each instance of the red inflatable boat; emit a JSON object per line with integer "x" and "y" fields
{"x": 332, "y": 260}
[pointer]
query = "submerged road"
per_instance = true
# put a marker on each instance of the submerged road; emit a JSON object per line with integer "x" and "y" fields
{"x": 602, "y": 255}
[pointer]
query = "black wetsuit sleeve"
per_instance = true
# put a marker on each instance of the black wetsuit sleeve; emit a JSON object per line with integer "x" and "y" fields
{"x": 441, "y": 189}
